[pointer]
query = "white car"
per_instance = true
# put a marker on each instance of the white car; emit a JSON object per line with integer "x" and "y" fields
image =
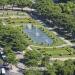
{"x": 3, "y": 56}
{"x": 1, "y": 49}
{"x": 1, "y": 53}
{"x": 3, "y": 71}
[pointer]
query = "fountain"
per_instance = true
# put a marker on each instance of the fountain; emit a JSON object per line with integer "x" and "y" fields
{"x": 47, "y": 41}
{"x": 37, "y": 34}
{"x": 29, "y": 26}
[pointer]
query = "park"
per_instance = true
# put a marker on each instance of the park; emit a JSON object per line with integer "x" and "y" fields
{"x": 36, "y": 39}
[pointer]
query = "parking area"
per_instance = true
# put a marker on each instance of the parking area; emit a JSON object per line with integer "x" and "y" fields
{"x": 7, "y": 68}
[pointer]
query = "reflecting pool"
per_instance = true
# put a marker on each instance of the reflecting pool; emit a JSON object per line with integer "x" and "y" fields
{"x": 37, "y": 35}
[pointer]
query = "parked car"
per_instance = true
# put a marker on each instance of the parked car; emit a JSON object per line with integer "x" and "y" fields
{"x": 4, "y": 57}
{"x": 1, "y": 52}
{"x": 1, "y": 49}
{"x": 18, "y": 52}
{"x": 3, "y": 71}
{"x": 5, "y": 64}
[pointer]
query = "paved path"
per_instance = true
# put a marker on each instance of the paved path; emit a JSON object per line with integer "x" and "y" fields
{"x": 60, "y": 46}
{"x": 13, "y": 17}
{"x": 29, "y": 48}
{"x": 36, "y": 68}
{"x": 61, "y": 58}
{"x": 14, "y": 71}
{"x": 19, "y": 56}
{"x": 18, "y": 9}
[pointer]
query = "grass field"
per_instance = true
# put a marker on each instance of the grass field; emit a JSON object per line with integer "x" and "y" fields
{"x": 55, "y": 52}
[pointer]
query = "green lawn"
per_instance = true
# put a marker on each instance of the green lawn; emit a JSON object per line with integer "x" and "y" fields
{"x": 66, "y": 51}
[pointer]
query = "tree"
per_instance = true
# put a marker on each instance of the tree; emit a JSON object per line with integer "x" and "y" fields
{"x": 61, "y": 14}
{"x": 3, "y": 3}
{"x": 68, "y": 68}
{"x": 13, "y": 37}
{"x": 51, "y": 70}
{"x": 23, "y": 3}
{"x": 11, "y": 58}
{"x": 46, "y": 7}
{"x": 32, "y": 72}
{"x": 45, "y": 60}
{"x": 33, "y": 57}
{"x": 66, "y": 1}
{"x": 12, "y": 2}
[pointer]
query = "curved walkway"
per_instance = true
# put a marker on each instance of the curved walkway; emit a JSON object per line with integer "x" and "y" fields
{"x": 18, "y": 8}
{"x": 61, "y": 46}
{"x": 36, "y": 68}
{"x": 62, "y": 58}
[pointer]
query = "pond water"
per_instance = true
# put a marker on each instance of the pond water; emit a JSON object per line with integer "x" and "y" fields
{"x": 37, "y": 35}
